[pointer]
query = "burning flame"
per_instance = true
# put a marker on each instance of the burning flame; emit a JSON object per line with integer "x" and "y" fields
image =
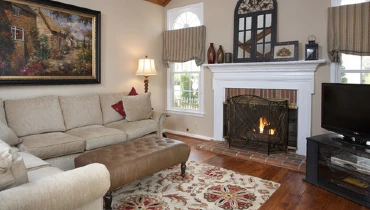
{"x": 264, "y": 122}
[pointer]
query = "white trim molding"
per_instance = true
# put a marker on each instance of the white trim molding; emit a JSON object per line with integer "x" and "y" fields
{"x": 188, "y": 134}
{"x": 292, "y": 75}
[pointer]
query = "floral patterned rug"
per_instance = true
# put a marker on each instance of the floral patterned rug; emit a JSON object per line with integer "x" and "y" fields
{"x": 204, "y": 187}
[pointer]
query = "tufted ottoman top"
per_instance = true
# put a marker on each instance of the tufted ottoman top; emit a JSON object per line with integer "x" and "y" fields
{"x": 136, "y": 159}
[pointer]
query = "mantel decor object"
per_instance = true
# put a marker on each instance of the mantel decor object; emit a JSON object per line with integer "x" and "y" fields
{"x": 211, "y": 54}
{"x": 48, "y": 43}
{"x": 311, "y": 52}
{"x": 228, "y": 57}
{"x": 220, "y": 55}
{"x": 285, "y": 51}
{"x": 146, "y": 67}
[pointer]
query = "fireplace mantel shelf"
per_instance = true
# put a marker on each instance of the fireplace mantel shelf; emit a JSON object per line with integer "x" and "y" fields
{"x": 285, "y": 66}
{"x": 291, "y": 75}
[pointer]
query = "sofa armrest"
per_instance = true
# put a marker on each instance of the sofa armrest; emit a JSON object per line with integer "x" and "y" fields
{"x": 159, "y": 117}
{"x": 68, "y": 190}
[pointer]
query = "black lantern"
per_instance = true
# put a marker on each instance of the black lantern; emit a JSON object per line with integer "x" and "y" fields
{"x": 312, "y": 48}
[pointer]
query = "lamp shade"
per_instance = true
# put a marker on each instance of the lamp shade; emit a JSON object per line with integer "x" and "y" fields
{"x": 146, "y": 67}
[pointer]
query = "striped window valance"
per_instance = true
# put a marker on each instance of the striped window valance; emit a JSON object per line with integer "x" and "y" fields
{"x": 348, "y": 30}
{"x": 184, "y": 45}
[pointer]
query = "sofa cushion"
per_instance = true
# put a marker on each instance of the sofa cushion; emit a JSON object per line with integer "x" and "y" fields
{"x": 2, "y": 112}
{"x": 98, "y": 136}
{"x": 52, "y": 145}
{"x": 80, "y": 111}
{"x": 32, "y": 162}
{"x": 137, "y": 107}
{"x": 118, "y": 107}
{"x": 34, "y": 115}
{"x": 42, "y": 173}
{"x": 135, "y": 129}
{"x": 106, "y": 101}
{"x": 12, "y": 169}
{"x": 8, "y": 135}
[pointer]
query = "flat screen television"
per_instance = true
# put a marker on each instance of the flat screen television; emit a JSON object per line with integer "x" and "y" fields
{"x": 345, "y": 109}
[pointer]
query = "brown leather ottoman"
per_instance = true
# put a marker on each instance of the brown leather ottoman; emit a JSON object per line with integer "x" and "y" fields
{"x": 136, "y": 159}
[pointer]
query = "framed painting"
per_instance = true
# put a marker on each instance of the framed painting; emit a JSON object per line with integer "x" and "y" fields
{"x": 285, "y": 51}
{"x": 46, "y": 42}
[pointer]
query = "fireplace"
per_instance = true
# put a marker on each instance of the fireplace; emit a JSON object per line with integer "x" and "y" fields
{"x": 293, "y": 75}
{"x": 256, "y": 123}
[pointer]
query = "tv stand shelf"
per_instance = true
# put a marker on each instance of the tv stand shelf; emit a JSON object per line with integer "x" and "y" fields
{"x": 339, "y": 167}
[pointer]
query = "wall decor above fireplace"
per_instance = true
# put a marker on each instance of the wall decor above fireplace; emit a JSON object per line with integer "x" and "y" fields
{"x": 254, "y": 30}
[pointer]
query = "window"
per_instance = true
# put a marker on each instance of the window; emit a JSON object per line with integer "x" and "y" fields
{"x": 18, "y": 33}
{"x": 16, "y": 11}
{"x": 185, "y": 80}
{"x": 353, "y": 68}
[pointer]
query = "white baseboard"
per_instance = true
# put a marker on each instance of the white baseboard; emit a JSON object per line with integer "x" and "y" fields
{"x": 188, "y": 134}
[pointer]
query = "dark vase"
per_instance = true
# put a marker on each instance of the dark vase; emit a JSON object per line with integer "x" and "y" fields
{"x": 220, "y": 55}
{"x": 211, "y": 54}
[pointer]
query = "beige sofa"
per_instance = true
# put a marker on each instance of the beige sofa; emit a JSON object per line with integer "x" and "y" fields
{"x": 47, "y": 133}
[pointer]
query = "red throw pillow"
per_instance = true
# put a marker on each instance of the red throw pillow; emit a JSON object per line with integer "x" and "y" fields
{"x": 119, "y": 108}
{"x": 119, "y": 105}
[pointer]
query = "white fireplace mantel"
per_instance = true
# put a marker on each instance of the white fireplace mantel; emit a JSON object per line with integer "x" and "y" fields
{"x": 293, "y": 75}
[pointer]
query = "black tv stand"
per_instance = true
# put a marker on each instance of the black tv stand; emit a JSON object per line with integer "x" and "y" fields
{"x": 352, "y": 140}
{"x": 340, "y": 167}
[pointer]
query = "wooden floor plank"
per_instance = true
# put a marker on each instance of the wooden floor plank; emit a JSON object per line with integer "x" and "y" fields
{"x": 293, "y": 194}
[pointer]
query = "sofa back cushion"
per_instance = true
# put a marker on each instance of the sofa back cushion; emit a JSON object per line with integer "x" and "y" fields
{"x": 34, "y": 115}
{"x": 137, "y": 107}
{"x": 80, "y": 111}
{"x": 2, "y": 112}
{"x": 6, "y": 134}
{"x": 106, "y": 102}
{"x": 12, "y": 169}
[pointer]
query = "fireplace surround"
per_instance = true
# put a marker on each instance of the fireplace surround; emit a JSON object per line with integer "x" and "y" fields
{"x": 292, "y": 75}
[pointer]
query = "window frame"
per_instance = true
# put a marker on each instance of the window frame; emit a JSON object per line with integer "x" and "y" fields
{"x": 16, "y": 11}
{"x": 335, "y": 68}
{"x": 172, "y": 15}
{"x": 15, "y": 28}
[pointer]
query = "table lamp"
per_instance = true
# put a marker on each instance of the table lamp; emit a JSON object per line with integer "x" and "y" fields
{"x": 146, "y": 68}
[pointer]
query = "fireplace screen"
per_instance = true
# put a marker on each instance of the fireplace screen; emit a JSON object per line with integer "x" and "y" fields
{"x": 256, "y": 123}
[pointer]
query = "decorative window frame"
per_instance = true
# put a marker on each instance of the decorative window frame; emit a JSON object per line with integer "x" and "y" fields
{"x": 172, "y": 15}
{"x": 14, "y": 30}
{"x": 16, "y": 11}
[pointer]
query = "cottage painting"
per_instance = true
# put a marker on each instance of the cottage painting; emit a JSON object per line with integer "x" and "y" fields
{"x": 44, "y": 42}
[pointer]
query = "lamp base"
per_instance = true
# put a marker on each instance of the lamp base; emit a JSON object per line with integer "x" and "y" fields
{"x": 146, "y": 83}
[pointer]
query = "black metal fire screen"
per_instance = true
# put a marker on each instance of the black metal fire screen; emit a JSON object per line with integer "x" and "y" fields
{"x": 256, "y": 123}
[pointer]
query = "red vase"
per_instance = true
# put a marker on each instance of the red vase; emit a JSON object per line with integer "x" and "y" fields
{"x": 211, "y": 54}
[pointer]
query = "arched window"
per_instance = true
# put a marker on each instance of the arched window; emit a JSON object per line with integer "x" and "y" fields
{"x": 184, "y": 80}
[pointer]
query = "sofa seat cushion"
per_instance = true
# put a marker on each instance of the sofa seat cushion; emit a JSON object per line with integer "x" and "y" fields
{"x": 52, "y": 145}
{"x": 135, "y": 129}
{"x": 34, "y": 115}
{"x": 79, "y": 111}
{"x": 32, "y": 162}
{"x": 41, "y": 173}
{"x": 98, "y": 136}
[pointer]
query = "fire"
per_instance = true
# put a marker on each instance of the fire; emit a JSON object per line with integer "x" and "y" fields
{"x": 263, "y": 123}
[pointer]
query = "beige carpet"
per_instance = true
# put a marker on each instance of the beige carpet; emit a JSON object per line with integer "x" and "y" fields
{"x": 204, "y": 187}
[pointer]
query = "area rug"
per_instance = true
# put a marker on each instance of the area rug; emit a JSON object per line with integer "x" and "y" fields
{"x": 204, "y": 187}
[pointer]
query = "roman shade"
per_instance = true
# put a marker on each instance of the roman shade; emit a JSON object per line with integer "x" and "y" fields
{"x": 348, "y": 30}
{"x": 184, "y": 45}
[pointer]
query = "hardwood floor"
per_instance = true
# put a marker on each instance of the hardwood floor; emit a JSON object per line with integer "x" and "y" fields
{"x": 294, "y": 193}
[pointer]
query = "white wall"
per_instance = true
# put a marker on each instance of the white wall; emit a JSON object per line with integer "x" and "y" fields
{"x": 130, "y": 29}
{"x": 297, "y": 19}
